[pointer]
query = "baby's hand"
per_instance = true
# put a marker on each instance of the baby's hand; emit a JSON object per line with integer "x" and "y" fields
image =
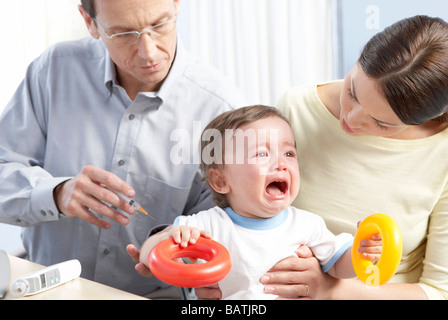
{"x": 187, "y": 234}
{"x": 371, "y": 248}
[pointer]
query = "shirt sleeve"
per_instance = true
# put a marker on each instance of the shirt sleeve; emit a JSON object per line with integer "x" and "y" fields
{"x": 326, "y": 246}
{"x": 434, "y": 279}
{"x": 26, "y": 189}
{"x": 192, "y": 221}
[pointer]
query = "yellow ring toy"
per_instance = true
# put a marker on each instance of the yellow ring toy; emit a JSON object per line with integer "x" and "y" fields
{"x": 385, "y": 268}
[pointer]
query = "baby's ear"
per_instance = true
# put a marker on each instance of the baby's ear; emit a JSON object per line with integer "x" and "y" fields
{"x": 217, "y": 181}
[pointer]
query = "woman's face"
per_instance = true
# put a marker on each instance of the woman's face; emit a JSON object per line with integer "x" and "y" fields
{"x": 364, "y": 109}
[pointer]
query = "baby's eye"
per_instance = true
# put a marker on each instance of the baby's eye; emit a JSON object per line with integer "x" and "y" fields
{"x": 290, "y": 154}
{"x": 261, "y": 154}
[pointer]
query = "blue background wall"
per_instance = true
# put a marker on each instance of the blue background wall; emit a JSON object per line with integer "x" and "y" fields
{"x": 361, "y": 19}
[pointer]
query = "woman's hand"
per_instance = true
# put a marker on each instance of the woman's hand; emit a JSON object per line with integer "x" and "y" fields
{"x": 298, "y": 277}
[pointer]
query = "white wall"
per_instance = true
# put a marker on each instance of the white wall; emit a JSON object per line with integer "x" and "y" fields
{"x": 10, "y": 238}
{"x": 28, "y": 27}
{"x": 362, "y": 19}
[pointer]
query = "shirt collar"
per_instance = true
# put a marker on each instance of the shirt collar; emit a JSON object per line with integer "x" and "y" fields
{"x": 177, "y": 69}
{"x": 110, "y": 75}
{"x": 257, "y": 224}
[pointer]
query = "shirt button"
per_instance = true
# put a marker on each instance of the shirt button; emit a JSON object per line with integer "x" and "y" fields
{"x": 43, "y": 213}
{"x": 131, "y": 117}
{"x": 121, "y": 163}
{"x": 106, "y": 251}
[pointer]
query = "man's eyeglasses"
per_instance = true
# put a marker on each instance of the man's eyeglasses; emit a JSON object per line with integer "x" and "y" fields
{"x": 132, "y": 37}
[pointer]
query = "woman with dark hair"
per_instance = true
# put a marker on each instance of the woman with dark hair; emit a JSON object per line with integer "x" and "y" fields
{"x": 375, "y": 142}
{"x": 378, "y": 142}
{"x": 409, "y": 63}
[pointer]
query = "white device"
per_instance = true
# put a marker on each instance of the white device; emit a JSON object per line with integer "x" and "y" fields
{"x": 46, "y": 278}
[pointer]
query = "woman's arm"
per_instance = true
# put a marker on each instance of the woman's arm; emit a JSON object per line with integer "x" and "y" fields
{"x": 289, "y": 276}
{"x": 351, "y": 289}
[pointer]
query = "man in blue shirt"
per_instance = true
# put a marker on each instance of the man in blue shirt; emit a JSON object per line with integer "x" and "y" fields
{"x": 121, "y": 110}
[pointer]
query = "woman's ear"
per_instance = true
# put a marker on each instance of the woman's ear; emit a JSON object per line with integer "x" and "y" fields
{"x": 217, "y": 181}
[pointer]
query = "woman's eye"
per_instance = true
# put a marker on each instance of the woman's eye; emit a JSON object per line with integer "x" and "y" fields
{"x": 381, "y": 126}
{"x": 350, "y": 94}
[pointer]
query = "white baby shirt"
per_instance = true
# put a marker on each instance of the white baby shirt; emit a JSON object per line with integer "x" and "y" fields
{"x": 256, "y": 245}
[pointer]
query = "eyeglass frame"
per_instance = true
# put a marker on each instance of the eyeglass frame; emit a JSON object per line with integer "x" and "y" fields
{"x": 148, "y": 31}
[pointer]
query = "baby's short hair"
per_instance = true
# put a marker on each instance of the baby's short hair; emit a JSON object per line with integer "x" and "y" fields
{"x": 229, "y": 120}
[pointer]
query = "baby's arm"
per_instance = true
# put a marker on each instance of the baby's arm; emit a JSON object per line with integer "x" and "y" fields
{"x": 180, "y": 234}
{"x": 370, "y": 249}
{"x": 151, "y": 242}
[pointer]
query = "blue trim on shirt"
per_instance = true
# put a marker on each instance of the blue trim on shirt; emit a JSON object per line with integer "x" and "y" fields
{"x": 176, "y": 222}
{"x": 336, "y": 256}
{"x": 257, "y": 224}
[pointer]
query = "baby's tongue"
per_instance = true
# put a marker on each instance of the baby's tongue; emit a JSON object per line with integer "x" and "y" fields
{"x": 273, "y": 189}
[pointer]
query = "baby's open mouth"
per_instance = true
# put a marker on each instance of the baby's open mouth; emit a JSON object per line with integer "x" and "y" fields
{"x": 277, "y": 187}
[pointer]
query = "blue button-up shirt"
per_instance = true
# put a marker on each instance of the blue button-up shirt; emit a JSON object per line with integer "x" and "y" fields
{"x": 70, "y": 112}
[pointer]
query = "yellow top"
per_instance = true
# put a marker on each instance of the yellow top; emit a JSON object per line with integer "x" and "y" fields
{"x": 344, "y": 179}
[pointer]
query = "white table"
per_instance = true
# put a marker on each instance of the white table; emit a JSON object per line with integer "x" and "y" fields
{"x": 77, "y": 289}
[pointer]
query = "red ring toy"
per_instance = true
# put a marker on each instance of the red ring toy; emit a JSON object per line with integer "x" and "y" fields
{"x": 217, "y": 266}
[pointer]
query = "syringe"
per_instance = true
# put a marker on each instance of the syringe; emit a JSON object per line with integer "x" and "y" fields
{"x": 129, "y": 201}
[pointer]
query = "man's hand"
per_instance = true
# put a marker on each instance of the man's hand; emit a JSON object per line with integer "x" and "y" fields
{"x": 85, "y": 192}
{"x": 135, "y": 256}
{"x": 211, "y": 292}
